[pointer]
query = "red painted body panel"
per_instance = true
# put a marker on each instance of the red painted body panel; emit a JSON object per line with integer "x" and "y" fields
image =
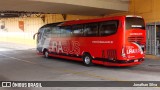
{"x": 66, "y": 57}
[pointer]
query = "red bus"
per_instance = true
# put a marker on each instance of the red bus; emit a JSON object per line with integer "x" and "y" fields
{"x": 110, "y": 41}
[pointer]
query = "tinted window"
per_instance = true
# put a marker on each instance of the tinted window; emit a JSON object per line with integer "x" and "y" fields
{"x": 77, "y": 30}
{"x": 134, "y": 23}
{"x": 47, "y": 32}
{"x": 66, "y": 31}
{"x": 108, "y": 28}
{"x": 56, "y": 32}
{"x": 51, "y": 32}
{"x": 91, "y": 30}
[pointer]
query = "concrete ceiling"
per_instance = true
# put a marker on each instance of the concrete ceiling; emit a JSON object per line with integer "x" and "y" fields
{"x": 78, "y": 7}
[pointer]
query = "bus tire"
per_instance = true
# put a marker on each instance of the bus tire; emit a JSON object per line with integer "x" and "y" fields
{"x": 87, "y": 59}
{"x": 46, "y": 54}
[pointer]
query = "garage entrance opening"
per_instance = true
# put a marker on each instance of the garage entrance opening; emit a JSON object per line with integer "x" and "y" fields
{"x": 153, "y": 38}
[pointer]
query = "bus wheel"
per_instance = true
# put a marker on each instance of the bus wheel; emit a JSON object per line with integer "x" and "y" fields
{"x": 46, "y": 54}
{"x": 87, "y": 60}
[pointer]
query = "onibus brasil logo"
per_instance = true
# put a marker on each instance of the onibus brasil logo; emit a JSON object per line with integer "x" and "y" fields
{"x": 21, "y": 84}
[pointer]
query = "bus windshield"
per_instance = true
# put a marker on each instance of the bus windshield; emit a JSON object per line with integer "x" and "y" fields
{"x": 134, "y": 23}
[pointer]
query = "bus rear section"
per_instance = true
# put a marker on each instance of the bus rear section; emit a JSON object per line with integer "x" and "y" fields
{"x": 133, "y": 48}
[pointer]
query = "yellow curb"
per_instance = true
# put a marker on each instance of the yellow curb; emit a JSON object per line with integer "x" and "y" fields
{"x": 152, "y": 57}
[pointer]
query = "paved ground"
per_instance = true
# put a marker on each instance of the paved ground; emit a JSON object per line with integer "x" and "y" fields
{"x": 21, "y": 63}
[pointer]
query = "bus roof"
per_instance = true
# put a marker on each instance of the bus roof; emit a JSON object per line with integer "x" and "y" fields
{"x": 74, "y": 22}
{"x": 51, "y": 24}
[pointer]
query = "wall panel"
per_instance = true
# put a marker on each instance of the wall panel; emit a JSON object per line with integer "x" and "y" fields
{"x": 12, "y": 32}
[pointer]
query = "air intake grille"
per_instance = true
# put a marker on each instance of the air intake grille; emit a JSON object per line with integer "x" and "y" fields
{"x": 137, "y": 39}
{"x": 112, "y": 53}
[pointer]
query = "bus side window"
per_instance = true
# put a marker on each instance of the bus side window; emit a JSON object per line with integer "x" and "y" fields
{"x": 77, "y": 30}
{"x": 47, "y": 32}
{"x": 108, "y": 28}
{"x": 55, "y": 32}
{"x": 66, "y": 31}
{"x": 91, "y": 30}
{"x": 58, "y": 31}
